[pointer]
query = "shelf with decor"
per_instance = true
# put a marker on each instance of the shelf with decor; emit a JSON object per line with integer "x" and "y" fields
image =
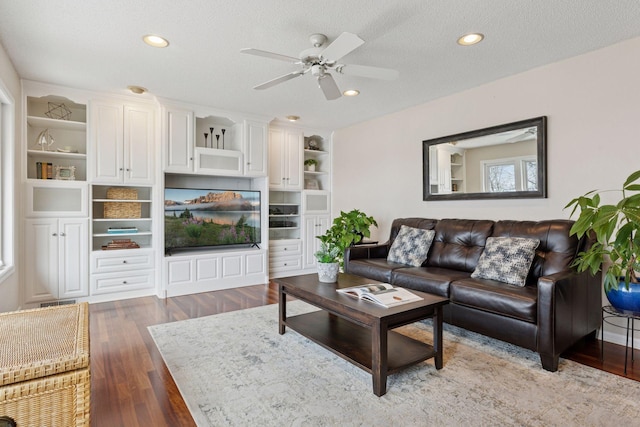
{"x": 284, "y": 215}
{"x": 121, "y": 217}
{"x": 317, "y": 163}
{"x": 56, "y": 135}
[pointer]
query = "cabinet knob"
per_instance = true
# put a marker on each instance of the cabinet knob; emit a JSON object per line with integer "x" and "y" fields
{"x": 128, "y": 170}
{"x": 62, "y": 234}
{"x": 124, "y": 261}
{"x": 121, "y": 169}
{"x": 248, "y": 163}
{"x": 54, "y": 234}
{"x": 124, "y": 282}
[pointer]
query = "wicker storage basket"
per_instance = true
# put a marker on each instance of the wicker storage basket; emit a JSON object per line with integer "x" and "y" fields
{"x": 44, "y": 366}
{"x": 116, "y": 210}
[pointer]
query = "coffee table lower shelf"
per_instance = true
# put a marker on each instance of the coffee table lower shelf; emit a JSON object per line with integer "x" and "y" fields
{"x": 353, "y": 342}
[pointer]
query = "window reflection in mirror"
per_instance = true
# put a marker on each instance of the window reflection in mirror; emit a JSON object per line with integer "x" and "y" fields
{"x": 499, "y": 162}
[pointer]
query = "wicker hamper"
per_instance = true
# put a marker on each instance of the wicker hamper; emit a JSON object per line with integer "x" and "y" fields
{"x": 120, "y": 210}
{"x": 44, "y": 366}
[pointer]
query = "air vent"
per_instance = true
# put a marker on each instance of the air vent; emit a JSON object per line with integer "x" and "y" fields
{"x": 54, "y": 303}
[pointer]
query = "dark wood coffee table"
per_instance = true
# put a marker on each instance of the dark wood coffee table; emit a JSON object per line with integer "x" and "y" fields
{"x": 360, "y": 331}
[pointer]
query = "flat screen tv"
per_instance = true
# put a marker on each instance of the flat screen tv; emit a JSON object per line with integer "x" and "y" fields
{"x": 195, "y": 218}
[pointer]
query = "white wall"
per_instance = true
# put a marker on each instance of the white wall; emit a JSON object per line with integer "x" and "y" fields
{"x": 9, "y": 289}
{"x": 593, "y": 107}
{"x": 593, "y": 111}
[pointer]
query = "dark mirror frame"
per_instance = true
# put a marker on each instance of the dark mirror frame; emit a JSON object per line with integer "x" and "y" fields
{"x": 539, "y": 122}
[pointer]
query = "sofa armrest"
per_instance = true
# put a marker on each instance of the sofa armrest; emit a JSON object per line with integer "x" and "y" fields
{"x": 366, "y": 252}
{"x": 569, "y": 308}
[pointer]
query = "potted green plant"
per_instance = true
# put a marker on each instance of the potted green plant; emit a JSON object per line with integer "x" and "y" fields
{"x": 616, "y": 229}
{"x": 328, "y": 258}
{"x": 310, "y": 164}
{"x": 348, "y": 229}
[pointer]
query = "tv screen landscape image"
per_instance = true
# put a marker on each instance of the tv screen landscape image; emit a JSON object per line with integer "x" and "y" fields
{"x": 195, "y": 218}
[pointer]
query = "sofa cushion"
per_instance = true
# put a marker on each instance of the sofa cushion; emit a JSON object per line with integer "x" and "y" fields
{"x": 432, "y": 280}
{"x": 375, "y": 268}
{"x": 506, "y": 259}
{"x": 556, "y": 250}
{"x": 411, "y": 246}
{"x": 459, "y": 243}
{"x": 496, "y": 297}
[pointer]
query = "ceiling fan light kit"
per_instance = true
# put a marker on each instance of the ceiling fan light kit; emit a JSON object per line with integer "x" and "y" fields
{"x": 319, "y": 60}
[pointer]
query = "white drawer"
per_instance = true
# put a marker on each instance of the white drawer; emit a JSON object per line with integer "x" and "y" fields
{"x": 285, "y": 264}
{"x": 108, "y": 283}
{"x": 131, "y": 259}
{"x": 285, "y": 247}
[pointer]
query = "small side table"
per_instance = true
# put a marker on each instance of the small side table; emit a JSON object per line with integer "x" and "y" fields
{"x": 610, "y": 312}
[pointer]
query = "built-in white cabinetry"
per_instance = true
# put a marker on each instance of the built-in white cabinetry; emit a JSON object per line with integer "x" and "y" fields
{"x": 56, "y": 256}
{"x": 209, "y": 144}
{"x": 123, "y": 272}
{"x": 178, "y": 140}
{"x": 122, "y": 142}
{"x": 446, "y": 169}
{"x": 285, "y": 256}
{"x": 193, "y": 272}
{"x": 314, "y": 225}
{"x": 255, "y": 148}
{"x": 54, "y": 242}
{"x": 285, "y": 158}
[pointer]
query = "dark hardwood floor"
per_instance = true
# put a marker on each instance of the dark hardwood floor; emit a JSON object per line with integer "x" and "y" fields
{"x": 131, "y": 386}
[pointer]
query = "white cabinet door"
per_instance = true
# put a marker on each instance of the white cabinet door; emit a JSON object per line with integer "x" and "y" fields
{"x": 122, "y": 143}
{"x": 255, "y": 150}
{"x": 285, "y": 159}
{"x": 294, "y": 159}
{"x": 41, "y": 260}
{"x": 139, "y": 143}
{"x": 73, "y": 247}
{"x": 57, "y": 259}
{"x": 106, "y": 145}
{"x": 314, "y": 225}
{"x": 444, "y": 172}
{"x": 276, "y": 159}
{"x": 179, "y": 140}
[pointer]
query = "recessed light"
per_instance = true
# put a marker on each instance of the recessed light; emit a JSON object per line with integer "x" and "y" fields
{"x": 155, "y": 41}
{"x": 138, "y": 90}
{"x": 470, "y": 39}
{"x": 293, "y": 118}
{"x": 351, "y": 92}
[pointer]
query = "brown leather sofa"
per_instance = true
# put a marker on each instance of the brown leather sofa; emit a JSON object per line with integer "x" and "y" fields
{"x": 555, "y": 309}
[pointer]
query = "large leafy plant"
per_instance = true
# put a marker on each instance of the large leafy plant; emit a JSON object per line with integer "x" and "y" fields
{"x": 616, "y": 228}
{"x": 347, "y": 229}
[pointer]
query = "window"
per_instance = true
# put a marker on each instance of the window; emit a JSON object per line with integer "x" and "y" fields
{"x": 511, "y": 174}
{"x": 7, "y": 143}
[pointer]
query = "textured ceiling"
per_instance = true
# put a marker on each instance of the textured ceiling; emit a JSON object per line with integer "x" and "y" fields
{"x": 96, "y": 44}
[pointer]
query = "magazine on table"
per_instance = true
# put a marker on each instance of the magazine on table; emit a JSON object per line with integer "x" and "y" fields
{"x": 382, "y": 294}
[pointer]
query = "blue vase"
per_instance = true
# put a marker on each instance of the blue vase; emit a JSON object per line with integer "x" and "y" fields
{"x": 625, "y": 299}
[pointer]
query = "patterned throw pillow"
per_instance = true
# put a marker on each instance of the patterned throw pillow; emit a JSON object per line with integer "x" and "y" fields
{"x": 411, "y": 246}
{"x": 506, "y": 259}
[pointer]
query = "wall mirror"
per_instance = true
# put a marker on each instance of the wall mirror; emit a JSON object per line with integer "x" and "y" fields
{"x": 499, "y": 162}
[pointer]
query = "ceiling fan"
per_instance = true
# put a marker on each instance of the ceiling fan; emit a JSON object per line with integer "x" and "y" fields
{"x": 319, "y": 60}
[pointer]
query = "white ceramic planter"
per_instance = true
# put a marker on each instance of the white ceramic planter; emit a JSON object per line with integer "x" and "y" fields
{"x": 328, "y": 272}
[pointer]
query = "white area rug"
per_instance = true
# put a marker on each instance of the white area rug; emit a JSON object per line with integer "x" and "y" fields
{"x": 235, "y": 369}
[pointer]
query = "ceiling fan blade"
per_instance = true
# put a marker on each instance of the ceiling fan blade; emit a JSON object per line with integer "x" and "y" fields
{"x": 366, "y": 71}
{"x": 329, "y": 87}
{"x": 271, "y": 55}
{"x": 278, "y": 80}
{"x": 342, "y": 46}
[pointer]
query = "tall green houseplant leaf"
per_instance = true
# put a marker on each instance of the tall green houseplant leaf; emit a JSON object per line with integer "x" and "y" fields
{"x": 615, "y": 227}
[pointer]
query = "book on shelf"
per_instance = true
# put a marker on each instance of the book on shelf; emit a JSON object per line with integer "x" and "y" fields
{"x": 382, "y": 294}
{"x": 44, "y": 170}
{"x": 120, "y": 244}
{"x": 122, "y": 230}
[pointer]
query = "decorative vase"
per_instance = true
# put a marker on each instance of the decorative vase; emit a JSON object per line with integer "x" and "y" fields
{"x": 311, "y": 168}
{"x": 328, "y": 272}
{"x": 625, "y": 299}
